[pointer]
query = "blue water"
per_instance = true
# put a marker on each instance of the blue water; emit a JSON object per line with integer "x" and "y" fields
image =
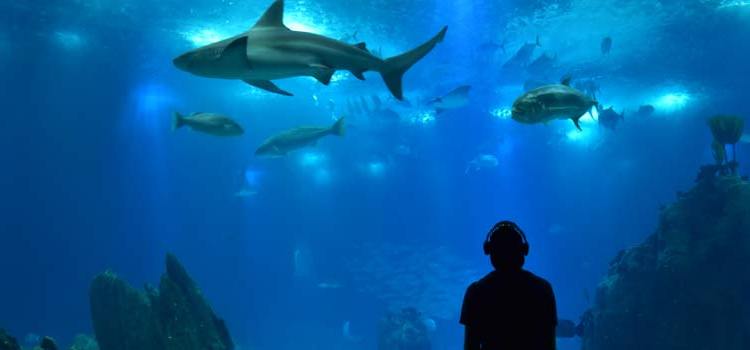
{"x": 93, "y": 177}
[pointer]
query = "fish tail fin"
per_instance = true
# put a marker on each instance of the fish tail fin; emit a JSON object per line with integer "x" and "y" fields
{"x": 177, "y": 121}
{"x": 338, "y": 128}
{"x": 394, "y": 68}
{"x": 577, "y": 121}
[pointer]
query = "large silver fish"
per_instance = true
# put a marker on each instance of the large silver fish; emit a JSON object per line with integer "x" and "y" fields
{"x": 209, "y": 123}
{"x": 552, "y": 102}
{"x": 294, "y": 139}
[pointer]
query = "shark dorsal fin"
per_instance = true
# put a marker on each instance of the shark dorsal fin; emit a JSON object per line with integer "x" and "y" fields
{"x": 362, "y": 46}
{"x": 273, "y": 17}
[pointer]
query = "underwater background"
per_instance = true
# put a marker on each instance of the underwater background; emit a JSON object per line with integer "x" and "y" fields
{"x": 310, "y": 250}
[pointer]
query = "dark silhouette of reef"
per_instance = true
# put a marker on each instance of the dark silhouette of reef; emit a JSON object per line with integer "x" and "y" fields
{"x": 7, "y": 342}
{"x": 687, "y": 286}
{"x": 173, "y": 317}
{"x": 403, "y": 330}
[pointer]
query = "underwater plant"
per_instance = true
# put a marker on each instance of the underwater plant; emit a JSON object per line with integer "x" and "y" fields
{"x": 727, "y": 130}
{"x": 719, "y": 152}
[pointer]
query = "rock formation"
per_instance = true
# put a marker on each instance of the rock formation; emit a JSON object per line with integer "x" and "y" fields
{"x": 174, "y": 317}
{"x": 7, "y": 342}
{"x": 84, "y": 342}
{"x": 687, "y": 286}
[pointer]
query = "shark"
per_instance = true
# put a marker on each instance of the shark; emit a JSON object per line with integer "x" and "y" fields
{"x": 269, "y": 51}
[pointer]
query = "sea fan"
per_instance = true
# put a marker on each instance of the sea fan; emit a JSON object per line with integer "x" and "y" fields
{"x": 727, "y": 129}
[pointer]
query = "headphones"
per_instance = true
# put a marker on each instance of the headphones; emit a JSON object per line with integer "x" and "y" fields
{"x": 503, "y": 226}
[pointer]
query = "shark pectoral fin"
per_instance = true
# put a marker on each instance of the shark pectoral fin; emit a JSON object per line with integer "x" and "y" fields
{"x": 359, "y": 74}
{"x": 268, "y": 86}
{"x": 323, "y": 73}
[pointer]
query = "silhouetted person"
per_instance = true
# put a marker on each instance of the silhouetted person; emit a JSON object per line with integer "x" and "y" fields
{"x": 510, "y": 308}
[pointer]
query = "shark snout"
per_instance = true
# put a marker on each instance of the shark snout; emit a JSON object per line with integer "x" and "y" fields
{"x": 182, "y": 62}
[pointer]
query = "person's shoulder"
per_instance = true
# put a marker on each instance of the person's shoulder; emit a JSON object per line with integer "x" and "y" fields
{"x": 540, "y": 282}
{"x": 480, "y": 283}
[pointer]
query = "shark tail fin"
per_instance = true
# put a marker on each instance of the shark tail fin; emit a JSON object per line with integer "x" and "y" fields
{"x": 338, "y": 128}
{"x": 395, "y": 67}
{"x": 177, "y": 121}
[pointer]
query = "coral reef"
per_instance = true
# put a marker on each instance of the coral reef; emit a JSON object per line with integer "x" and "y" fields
{"x": 7, "y": 342}
{"x": 403, "y": 330}
{"x": 84, "y": 342}
{"x": 174, "y": 317}
{"x": 727, "y": 130}
{"x": 686, "y": 286}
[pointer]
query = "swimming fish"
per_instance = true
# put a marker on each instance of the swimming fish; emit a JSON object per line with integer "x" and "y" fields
{"x": 293, "y": 139}
{"x": 609, "y": 118}
{"x": 271, "y": 51}
{"x": 541, "y": 65}
{"x": 329, "y": 285}
{"x": 209, "y": 123}
{"x": 482, "y": 161}
{"x": 245, "y": 192}
{"x": 456, "y": 98}
{"x": 551, "y": 102}
{"x": 645, "y": 111}
{"x": 606, "y": 45}
{"x": 523, "y": 55}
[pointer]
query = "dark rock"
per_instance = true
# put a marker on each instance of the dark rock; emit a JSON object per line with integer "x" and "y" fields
{"x": 686, "y": 286}
{"x": 122, "y": 316}
{"x": 48, "y": 343}
{"x": 174, "y": 317}
{"x": 7, "y": 342}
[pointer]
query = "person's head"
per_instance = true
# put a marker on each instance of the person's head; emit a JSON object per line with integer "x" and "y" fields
{"x": 507, "y": 246}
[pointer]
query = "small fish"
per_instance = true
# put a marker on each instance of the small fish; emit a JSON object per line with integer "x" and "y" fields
{"x": 482, "y": 161}
{"x": 245, "y": 192}
{"x": 492, "y": 46}
{"x": 552, "y": 102}
{"x": 457, "y": 98}
{"x": 329, "y": 285}
{"x": 608, "y": 118}
{"x": 606, "y": 45}
{"x": 294, "y": 139}
{"x": 523, "y": 55}
{"x": 209, "y": 123}
{"x": 645, "y": 111}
